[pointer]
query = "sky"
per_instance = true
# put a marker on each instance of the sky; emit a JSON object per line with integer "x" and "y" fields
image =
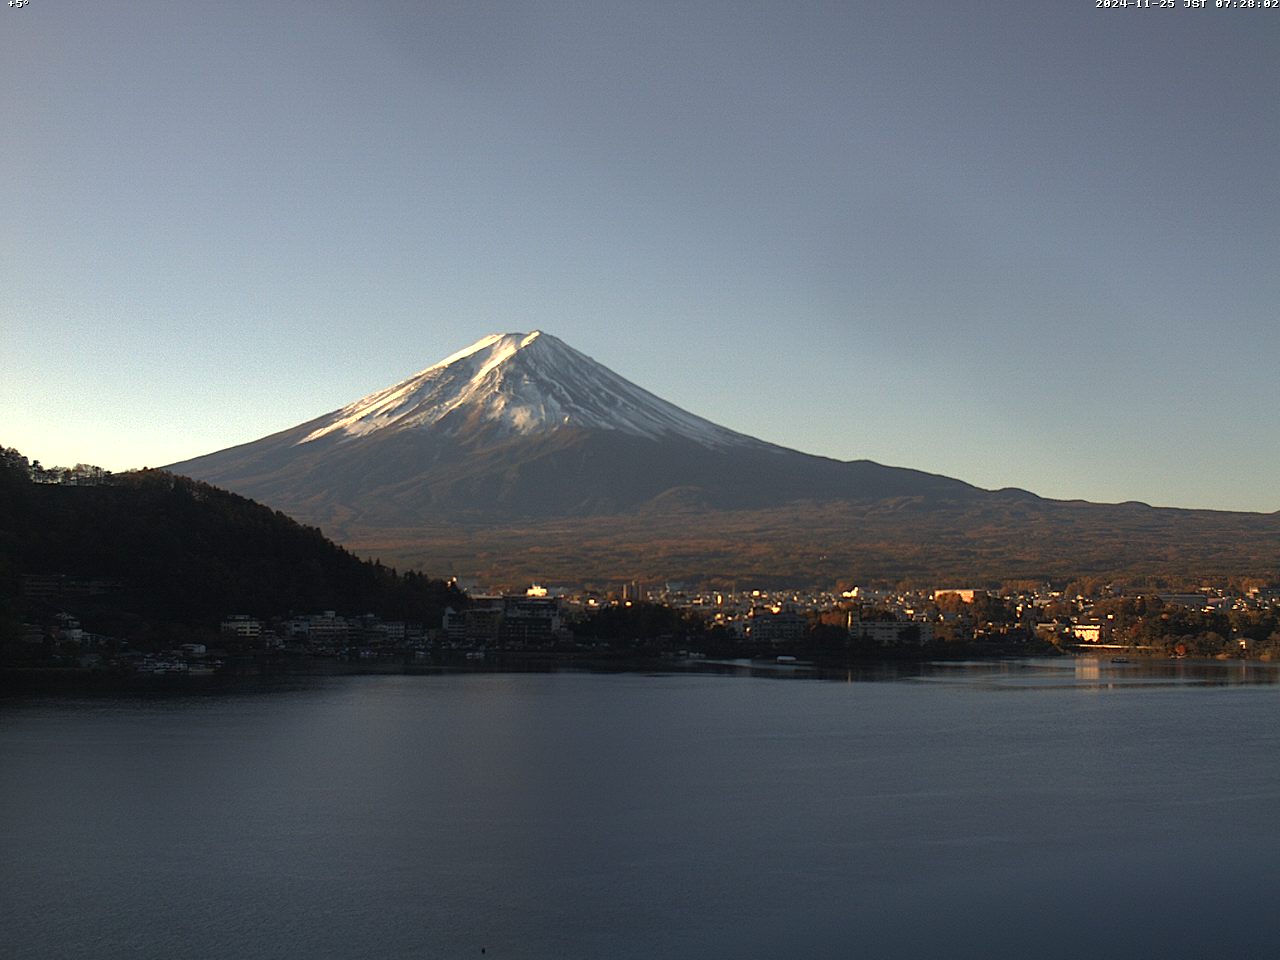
{"x": 1031, "y": 245}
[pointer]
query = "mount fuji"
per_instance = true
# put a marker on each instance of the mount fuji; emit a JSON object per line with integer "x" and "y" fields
{"x": 517, "y": 426}
{"x": 521, "y": 456}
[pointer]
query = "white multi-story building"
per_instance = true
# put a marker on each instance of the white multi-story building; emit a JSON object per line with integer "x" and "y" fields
{"x": 242, "y": 627}
{"x": 889, "y": 633}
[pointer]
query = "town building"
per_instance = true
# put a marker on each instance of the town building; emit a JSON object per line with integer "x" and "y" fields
{"x": 242, "y": 627}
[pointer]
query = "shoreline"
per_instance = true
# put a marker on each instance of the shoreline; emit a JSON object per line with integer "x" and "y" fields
{"x": 267, "y": 675}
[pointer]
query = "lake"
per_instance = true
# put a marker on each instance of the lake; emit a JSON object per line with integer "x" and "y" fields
{"x": 1061, "y": 808}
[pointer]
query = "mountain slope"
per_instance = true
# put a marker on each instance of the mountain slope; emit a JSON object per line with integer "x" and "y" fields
{"x": 980, "y": 542}
{"x": 522, "y": 457}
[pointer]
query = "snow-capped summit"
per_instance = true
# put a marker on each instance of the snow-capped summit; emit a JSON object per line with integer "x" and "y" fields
{"x": 518, "y": 383}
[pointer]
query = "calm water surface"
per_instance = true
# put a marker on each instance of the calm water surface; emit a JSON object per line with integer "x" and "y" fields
{"x": 1062, "y": 809}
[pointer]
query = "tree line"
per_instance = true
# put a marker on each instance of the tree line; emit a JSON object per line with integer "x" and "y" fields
{"x": 182, "y": 553}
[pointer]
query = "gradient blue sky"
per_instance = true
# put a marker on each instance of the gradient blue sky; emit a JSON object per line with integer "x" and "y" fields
{"x": 1024, "y": 244}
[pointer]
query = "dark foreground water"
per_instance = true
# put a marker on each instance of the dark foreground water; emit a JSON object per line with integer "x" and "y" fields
{"x": 1022, "y": 810}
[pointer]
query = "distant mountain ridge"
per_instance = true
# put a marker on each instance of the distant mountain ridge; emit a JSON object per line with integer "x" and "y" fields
{"x": 520, "y": 453}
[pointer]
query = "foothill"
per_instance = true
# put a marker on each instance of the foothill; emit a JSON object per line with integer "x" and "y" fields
{"x": 150, "y": 575}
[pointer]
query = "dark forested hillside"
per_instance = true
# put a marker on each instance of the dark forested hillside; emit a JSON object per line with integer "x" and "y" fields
{"x": 164, "y": 548}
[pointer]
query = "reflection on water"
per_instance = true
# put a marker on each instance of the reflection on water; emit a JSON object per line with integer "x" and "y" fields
{"x": 1080, "y": 672}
